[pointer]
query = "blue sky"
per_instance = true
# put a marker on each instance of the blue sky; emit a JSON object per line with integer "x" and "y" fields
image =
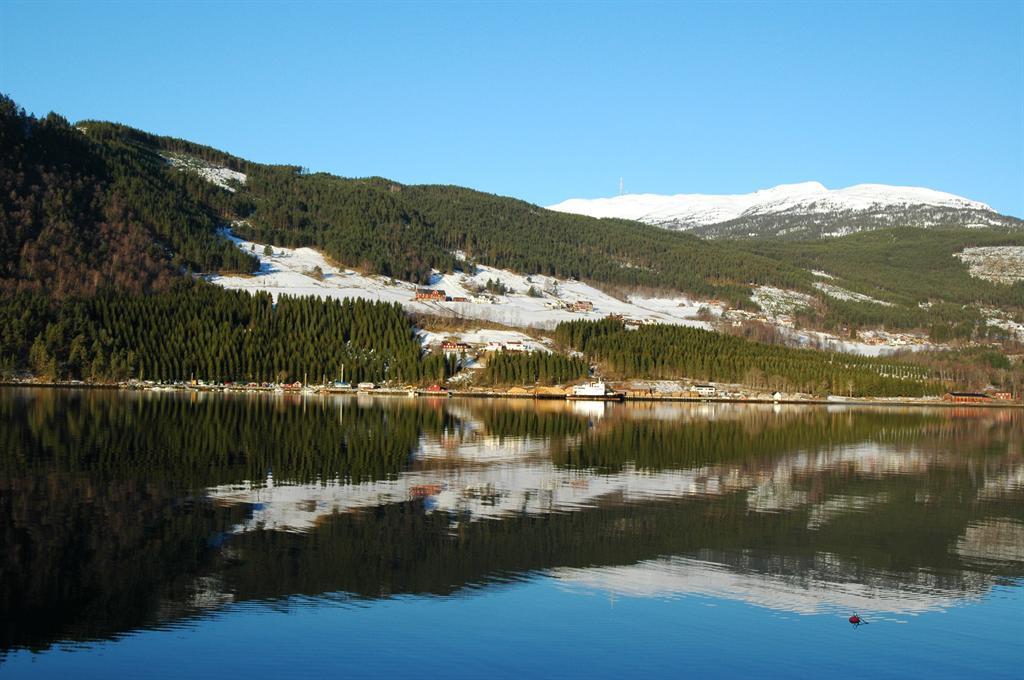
{"x": 551, "y": 101}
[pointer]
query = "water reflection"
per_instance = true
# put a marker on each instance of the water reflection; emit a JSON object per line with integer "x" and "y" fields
{"x": 126, "y": 511}
{"x": 816, "y": 588}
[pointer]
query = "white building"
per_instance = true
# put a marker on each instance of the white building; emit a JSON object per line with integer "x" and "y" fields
{"x": 705, "y": 390}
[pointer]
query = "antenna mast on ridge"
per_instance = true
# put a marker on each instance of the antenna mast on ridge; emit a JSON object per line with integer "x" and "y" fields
{"x": 621, "y": 191}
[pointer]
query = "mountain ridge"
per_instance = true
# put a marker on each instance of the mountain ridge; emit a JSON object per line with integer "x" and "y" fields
{"x": 795, "y": 210}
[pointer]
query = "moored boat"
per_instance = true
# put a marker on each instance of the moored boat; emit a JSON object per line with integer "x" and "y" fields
{"x": 597, "y": 391}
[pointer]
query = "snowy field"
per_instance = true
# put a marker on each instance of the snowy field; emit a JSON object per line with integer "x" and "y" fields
{"x": 838, "y": 293}
{"x": 779, "y": 305}
{"x": 290, "y": 272}
{"x": 820, "y": 340}
{"x": 999, "y": 264}
{"x": 1000, "y": 319}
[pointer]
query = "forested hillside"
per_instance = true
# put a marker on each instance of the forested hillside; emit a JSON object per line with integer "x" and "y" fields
{"x": 101, "y": 223}
{"x": 383, "y": 227}
{"x": 380, "y": 226}
{"x": 914, "y": 270}
{"x": 387, "y": 228}
{"x": 101, "y": 205}
{"x": 669, "y": 352}
{"x": 78, "y": 215}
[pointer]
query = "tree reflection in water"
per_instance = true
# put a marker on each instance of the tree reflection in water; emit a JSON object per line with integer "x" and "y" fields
{"x": 122, "y": 511}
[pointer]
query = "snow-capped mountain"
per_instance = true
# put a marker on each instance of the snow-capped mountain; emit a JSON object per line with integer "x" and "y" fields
{"x": 805, "y": 209}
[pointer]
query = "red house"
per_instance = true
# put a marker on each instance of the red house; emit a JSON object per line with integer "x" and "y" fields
{"x": 967, "y": 397}
{"x": 454, "y": 346}
{"x": 430, "y": 294}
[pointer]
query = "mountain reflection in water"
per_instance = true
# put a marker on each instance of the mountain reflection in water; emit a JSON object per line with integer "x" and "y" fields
{"x": 125, "y": 511}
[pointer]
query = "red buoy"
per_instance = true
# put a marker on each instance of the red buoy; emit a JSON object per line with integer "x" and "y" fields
{"x": 855, "y": 619}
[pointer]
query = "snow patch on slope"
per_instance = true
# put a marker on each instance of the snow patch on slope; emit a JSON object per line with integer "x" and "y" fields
{"x": 838, "y": 293}
{"x": 779, "y": 304}
{"x": 877, "y": 347}
{"x": 223, "y": 177}
{"x": 288, "y": 271}
{"x": 999, "y": 264}
{"x": 1001, "y": 319}
{"x": 691, "y": 210}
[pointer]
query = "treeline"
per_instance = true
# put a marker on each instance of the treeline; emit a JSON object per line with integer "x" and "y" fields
{"x": 196, "y": 330}
{"x": 78, "y": 214}
{"x": 675, "y": 352}
{"x": 529, "y": 368}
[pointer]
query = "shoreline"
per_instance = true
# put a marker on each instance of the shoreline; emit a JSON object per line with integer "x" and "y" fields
{"x": 504, "y": 394}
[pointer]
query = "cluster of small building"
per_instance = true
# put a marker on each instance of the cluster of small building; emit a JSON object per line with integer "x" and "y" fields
{"x": 978, "y": 397}
{"x": 438, "y": 295}
{"x": 630, "y": 321}
{"x": 452, "y": 346}
{"x": 593, "y": 390}
{"x": 580, "y": 306}
{"x": 699, "y": 391}
{"x": 455, "y": 346}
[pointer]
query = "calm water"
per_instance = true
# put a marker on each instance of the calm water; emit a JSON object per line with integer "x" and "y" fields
{"x": 256, "y": 536}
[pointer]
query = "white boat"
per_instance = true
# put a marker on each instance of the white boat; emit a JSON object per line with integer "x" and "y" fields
{"x": 705, "y": 390}
{"x": 593, "y": 390}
